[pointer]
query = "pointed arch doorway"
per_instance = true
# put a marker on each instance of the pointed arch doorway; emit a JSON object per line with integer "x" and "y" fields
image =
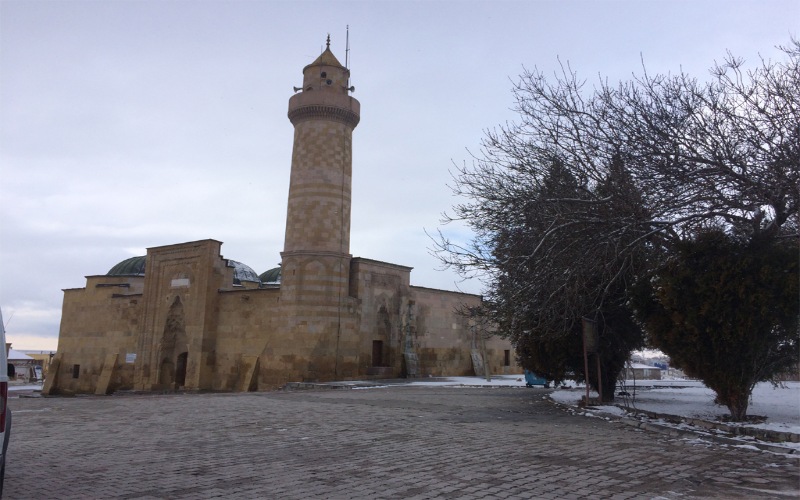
{"x": 174, "y": 354}
{"x": 381, "y": 362}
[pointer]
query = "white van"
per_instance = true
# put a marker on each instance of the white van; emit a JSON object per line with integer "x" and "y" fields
{"x": 5, "y": 413}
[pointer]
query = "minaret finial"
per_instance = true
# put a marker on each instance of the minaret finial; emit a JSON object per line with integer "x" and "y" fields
{"x": 328, "y": 42}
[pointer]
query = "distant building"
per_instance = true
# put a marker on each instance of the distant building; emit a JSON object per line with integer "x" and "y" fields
{"x": 26, "y": 368}
{"x": 641, "y": 371}
{"x": 42, "y": 358}
{"x": 184, "y": 317}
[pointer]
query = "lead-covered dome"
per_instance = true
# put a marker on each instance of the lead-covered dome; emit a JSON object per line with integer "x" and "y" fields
{"x": 135, "y": 267}
{"x": 129, "y": 267}
{"x": 242, "y": 272}
{"x": 272, "y": 276}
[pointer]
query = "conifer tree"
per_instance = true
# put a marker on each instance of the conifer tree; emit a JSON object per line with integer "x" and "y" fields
{"x": 726, "y": 311}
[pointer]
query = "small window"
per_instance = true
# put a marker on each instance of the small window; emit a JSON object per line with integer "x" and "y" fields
{"x": 507, "y": 358}
{"x": 377, "y": 353}
{"x": 324, "y": 75}
{"x": 76, "y": 371}
{"x": 329, "y": 82}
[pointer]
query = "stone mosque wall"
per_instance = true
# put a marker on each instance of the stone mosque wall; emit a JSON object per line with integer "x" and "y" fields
{"x": 240, "y": 345}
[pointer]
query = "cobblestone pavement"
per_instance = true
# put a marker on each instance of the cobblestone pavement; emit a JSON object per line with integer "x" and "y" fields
{"x": 398, "y": 442}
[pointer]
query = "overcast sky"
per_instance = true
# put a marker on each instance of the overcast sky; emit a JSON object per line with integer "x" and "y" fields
{"x": 132, "y": 124}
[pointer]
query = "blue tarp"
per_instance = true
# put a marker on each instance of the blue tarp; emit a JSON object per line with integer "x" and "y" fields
{"x": 532, "y": 379}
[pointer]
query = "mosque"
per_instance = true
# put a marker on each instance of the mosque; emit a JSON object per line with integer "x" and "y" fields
{"x": 183, "y": 317}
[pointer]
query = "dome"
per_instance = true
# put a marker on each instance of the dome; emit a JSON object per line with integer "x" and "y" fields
{"x": 129, "y": 267}
{"x": 242, "y": 272}
{"x": 271, "y": 276}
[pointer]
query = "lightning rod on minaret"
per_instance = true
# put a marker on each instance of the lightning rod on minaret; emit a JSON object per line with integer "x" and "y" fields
{"x": 347, "y": 56}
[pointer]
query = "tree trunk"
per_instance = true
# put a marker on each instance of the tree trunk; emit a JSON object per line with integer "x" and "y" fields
{"x": 609, "y": 386}
{"x": 609, "y": 381}
{"x": 737, "y": 402}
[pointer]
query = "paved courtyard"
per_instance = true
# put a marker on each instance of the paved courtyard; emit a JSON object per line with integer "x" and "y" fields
{"x": 398, "y": 442}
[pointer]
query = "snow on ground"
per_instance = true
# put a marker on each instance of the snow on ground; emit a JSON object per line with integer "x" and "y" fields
{"x": 24, "y": 387}
{"x": 686, "y": 398}
{"x": 690, "y": 398}
{"x": 781, "y": 404}
{"x": 680, "y": 397}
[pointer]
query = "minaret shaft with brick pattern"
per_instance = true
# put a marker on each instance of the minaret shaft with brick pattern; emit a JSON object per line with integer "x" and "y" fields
{"x": 315, "y": 267}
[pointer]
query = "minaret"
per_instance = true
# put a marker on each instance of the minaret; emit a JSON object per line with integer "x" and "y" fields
{"x": 324, "y": 116}
{"x": 315, "y": 267}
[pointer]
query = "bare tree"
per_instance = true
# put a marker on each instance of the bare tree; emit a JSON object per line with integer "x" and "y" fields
{"x": 592, "y": 188}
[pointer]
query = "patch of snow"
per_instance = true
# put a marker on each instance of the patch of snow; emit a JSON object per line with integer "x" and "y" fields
{"x": 746, "y": 447}
{"x": 793, "y": 446}
{"x": 690, "y": 398}
{"x": 641, "y": 365}
{"x": 682, "y": 397}
{"x": 779, "y": 404}
{"x": 649, "y": 353}
{"x": 24, "y": 387}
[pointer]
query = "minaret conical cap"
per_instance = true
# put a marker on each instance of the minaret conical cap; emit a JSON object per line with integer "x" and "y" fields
{"x": 326, "y": 58}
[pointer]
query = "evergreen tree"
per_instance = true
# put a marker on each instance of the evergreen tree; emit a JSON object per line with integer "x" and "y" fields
{"x": 726, "y": 312}
{"x": 538, "y": 298}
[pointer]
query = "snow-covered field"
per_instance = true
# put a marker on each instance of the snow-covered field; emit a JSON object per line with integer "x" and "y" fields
{"x": 780, "y": 405}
